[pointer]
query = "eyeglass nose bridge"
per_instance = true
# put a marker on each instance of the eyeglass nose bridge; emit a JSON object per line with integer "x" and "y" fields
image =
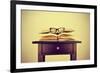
{"x": 57, "y": 30}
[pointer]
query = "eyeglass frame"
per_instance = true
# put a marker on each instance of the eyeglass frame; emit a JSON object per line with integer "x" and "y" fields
{"x": 57, "y": 30}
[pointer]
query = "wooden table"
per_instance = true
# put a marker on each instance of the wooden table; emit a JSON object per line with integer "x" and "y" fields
{"x": 56, "y": 48}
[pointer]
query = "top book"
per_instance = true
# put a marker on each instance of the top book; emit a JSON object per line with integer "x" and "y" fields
{"x": 57, "y": 31}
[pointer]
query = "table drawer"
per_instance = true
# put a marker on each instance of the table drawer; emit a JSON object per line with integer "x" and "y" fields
{"x": 56, "y": 48}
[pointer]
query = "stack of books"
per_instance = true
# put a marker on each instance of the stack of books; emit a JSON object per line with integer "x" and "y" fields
{"x": 61, "y": 37}
{"x": 57, "y": 34}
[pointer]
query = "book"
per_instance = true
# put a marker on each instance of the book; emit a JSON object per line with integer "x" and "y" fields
{"x": 61, "y": 37}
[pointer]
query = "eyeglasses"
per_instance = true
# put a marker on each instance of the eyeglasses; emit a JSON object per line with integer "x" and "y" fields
{"x": 57, "y": 30}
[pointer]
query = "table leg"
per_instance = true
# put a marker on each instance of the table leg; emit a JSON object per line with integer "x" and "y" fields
{"x": 74, "y": 52}
{"x": 41, "y": 56}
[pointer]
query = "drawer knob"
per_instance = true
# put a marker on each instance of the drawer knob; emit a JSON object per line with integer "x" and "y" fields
{"x": 58, "y": 48}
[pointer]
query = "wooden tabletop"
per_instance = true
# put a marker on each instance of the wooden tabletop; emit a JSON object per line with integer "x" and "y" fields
{"x": 55, "y": 42}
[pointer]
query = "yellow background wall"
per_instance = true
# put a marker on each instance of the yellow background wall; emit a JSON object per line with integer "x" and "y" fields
{"x": 34, "y": 22}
